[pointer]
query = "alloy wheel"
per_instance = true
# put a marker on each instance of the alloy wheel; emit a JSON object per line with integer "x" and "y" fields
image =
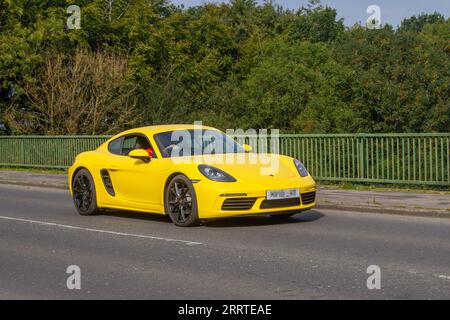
{"x": 179, "y": 201}
{"x": 82, "y": 193}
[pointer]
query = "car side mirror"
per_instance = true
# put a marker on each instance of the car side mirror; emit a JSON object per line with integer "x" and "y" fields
{"x": 140, "y": 154}
{"x": 247, "y": 147}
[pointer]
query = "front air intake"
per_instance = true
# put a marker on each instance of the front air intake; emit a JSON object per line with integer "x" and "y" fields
{"x": 308, "y": 197}
{"x": 280, "y": 203}
{"x": 238, "y": 204}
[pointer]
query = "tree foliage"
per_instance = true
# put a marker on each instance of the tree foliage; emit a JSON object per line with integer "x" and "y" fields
{"x": 231, "y": 65}
{"x": 87, "y": 94}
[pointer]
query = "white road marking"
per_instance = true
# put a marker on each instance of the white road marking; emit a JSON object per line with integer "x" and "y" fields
{"x": 43, "y": 223}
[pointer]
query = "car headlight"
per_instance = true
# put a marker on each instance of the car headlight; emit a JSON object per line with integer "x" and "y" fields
{"x": 215, "y": 174}
{"x": 300, "y": 168}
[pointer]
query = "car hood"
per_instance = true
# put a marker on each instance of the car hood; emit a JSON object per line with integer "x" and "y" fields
{"x": 248, "y": 166}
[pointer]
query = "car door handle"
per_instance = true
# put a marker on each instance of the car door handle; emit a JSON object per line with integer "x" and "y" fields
{"x": 113, "y": 168}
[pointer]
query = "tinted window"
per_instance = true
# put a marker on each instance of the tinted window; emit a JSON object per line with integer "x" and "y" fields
{"x": 195, "y": 142}
{"x": 125, "y": 144}
{"x": 128, "y": 145}
{"x": 115, "y": 146}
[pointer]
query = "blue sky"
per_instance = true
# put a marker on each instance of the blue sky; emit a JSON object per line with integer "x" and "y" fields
{"x": 392, "y": 11}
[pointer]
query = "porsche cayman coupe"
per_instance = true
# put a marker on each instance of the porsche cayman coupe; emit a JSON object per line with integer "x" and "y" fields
{"x": 150, "y": 170}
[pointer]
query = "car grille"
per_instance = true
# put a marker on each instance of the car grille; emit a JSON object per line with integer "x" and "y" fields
{"x": 308, "y": 197}
{"x": 279, "y": 203}
{"x": 238, "y": 203}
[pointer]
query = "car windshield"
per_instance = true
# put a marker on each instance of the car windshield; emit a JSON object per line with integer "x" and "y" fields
{"x": 181, "y": 143}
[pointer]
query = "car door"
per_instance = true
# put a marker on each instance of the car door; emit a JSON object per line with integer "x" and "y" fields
{"x": 134, "y": 180}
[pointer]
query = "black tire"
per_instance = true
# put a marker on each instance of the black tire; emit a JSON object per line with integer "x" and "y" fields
{"x": 84, "y": 196}
{"x": 282, "y": 216}
{"x": 180, "y": 202}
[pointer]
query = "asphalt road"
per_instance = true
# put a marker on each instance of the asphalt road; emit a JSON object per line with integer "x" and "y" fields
{"x": 315, "y": 255}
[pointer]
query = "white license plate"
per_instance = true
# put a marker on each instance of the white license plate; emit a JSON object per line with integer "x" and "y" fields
{"x": 282, "y": 194}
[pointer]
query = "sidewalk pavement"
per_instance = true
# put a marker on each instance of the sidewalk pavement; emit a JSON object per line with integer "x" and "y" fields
{"x": 430, "y": 204}
{"x": 34, "y": 179}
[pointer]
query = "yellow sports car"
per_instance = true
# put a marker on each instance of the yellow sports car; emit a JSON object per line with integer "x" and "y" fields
{"x": 190, "y": 174}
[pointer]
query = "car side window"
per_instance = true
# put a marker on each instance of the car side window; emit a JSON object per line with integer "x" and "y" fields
{"x": 115, "y": 146}
{"x": 137, "y": 141}
{"x": 128, "y": 145}
{"x": 123, "y": 145}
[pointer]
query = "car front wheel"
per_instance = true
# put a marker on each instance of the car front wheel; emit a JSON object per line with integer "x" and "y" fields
{"x": 180, "y": 202}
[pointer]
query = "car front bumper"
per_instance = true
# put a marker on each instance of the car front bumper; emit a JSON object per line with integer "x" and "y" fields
{"x": 227, "y": 199}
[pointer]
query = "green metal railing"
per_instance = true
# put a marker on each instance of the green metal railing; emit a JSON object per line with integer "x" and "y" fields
{"x": 45, "y": 151}
{"x": 381, "y": 158}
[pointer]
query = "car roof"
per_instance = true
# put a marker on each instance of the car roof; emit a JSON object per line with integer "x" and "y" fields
{"x": 151, "y": 130}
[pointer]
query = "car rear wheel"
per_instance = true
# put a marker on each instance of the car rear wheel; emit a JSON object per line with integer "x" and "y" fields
{"x": 84, "y": 196}
{"x": 180, "y": 202}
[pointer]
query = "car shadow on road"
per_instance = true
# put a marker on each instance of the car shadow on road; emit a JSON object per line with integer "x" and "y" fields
{"x": 242, "y": 221}
{"x": 258, "y": 221}
{"x": 138, "y": 215}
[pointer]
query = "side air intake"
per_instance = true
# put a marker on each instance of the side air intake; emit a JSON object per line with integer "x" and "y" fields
{"x": 107, "y": 182}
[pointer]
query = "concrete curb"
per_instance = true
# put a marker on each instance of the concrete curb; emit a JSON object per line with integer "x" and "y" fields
{"x": 416, "y": 212}
{"x": 426, "y": 213}
{"x": 32, "y": 184}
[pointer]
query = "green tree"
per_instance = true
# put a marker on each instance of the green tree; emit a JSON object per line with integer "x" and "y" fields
{"x": 417, "y": 23}
{"x": 235, "y": 64}
{"x": 316, "y": 23}
{"x": 297, "y": 87}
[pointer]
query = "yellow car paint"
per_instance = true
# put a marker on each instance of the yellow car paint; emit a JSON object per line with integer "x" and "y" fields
{"x": 140, "y": 185}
